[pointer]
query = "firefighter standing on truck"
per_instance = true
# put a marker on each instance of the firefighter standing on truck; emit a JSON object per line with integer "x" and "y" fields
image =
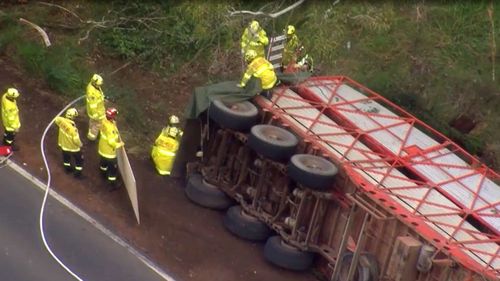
{"x": 95, "y": 106}
{"x": 69, "y": 142}
{"x": 254, "y": 38}
{"x": 260, "y": 68}
{"x": 291, "y": 46}
{"x": 10, "y": 117}
{"x": 109, "y": 142}
{"x": 166, "y": 146}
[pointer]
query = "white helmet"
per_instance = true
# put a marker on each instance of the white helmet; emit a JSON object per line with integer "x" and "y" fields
{"x": 173, "y": 120}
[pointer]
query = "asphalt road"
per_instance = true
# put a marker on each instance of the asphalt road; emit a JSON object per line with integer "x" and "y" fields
{"x": 82, "y": 247}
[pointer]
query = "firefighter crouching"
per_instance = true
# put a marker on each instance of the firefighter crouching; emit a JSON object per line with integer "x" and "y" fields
{"x": 10, "y": 117}
{"x": 95, "y": 106}
{"x": 166, "y": 146}
{"x": 260, "y": 68}
{"x": 109, "y": 142}
{"x": 69, "y": 142}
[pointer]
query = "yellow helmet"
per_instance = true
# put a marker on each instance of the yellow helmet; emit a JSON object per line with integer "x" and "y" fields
{"x": 290, "y": 30}
{"x": 250, "y": 55}
{"x": 12, "y": 93}
{"x": 254, "y": 26}
{"x": 71, "y": 113}
{"x": 97, "y": 79}
{"x": 173, "y": 120}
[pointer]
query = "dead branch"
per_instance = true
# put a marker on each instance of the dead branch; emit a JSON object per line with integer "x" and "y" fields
{"x": 120, "y": 68}
{"x": 42, "y": 32}
{"x": 273, "y": 15}
{"x": 62, "y": 8}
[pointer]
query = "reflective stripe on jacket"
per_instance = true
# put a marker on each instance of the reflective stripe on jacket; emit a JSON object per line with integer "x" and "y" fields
{"x": 68, "y": 138}
{"x": 10, "y": 114}
{"x": 109, "y": 139}
{"x": 95, "y": 103}
{"x": 255, "y": 42}
{"x": 261, "y": 69}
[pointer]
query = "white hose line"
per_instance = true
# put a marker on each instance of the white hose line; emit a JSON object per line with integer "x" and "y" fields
{"x": 42, "y": 209}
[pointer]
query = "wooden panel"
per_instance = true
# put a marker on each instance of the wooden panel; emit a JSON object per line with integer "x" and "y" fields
{"x": 402, "y": 265}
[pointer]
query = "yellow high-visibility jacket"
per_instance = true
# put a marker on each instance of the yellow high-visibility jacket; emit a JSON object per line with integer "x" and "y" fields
{"x": 290, "y": 50}
{"x": 165, "y": 149}
{"x": 255, "y": 42}
{"x": 69, "y": 138}
{"x": 109, "y": 139}
{"x": 10, "y": 114}
{"x": 261, "y": 69}
{"x": 95, "y": 103}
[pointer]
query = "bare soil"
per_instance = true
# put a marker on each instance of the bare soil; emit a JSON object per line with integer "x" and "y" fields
{"x": 187, "y": 241}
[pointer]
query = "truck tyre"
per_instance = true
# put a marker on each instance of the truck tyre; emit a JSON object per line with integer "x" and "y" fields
{"x": 279, "y": 253}
{"x": 205, "y": 194}
{"x": 245, "y": 226}
{"x": 239, "y": 116}
{"x": 312, "y": 171}
{"x": 272, "y": 142}
{"x": 367, "y": 269}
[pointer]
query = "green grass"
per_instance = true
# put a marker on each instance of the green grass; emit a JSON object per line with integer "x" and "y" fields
{"x": 432, "y": 58}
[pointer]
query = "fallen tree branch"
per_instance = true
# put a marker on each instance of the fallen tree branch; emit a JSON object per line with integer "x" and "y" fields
{"x": 42, "y": 32}
{"x": 62, "y": 8}
{"x": 273, "y": 15}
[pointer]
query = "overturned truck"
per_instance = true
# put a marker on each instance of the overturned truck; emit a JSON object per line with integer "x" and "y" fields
{"x": 332, "y": 175}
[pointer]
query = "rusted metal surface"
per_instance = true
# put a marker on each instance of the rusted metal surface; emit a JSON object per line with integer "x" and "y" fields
{"x": 367, "y": 201}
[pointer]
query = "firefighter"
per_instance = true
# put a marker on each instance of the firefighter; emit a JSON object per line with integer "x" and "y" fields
{"x": 260, "y": 68}
{"x": 69, "y": 142}
{"x": 109, "y": 142}
{"x": 95, "y": 106}
{"x": 254, "y": 38}
{"x": 10, "y": 117}
{"x": 166, "y": 146}
{"x": 291, "y": 46}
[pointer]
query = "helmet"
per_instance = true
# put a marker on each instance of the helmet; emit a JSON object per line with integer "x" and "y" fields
{"x": 111, "y": 113}
{"x": 12, "y": 93}
{"x": 290, "y": 30}
{"x": 71, "y": 113}
{"x": 96, "y": 79}
{"x": 254, "y": 26}
{"x": 250, "y": 55}
{"x": 173, "y": 120}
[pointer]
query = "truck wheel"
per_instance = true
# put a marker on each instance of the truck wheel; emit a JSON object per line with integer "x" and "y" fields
{"x": 312, "y": 171}
{"x": 245, "y": 226}
{"x": 205, "y": 194}
{"x": 239, "y": 116}
{"x": 272, "y": 142}
{"x": 367, "y": 269}
{"x": 279, "y": 253}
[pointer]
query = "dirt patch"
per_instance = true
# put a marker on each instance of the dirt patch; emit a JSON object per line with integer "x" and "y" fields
{"x": 187, "y": 241}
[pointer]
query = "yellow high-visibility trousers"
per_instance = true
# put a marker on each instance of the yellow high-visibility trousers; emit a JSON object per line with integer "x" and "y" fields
{"x": 164, "y": 157}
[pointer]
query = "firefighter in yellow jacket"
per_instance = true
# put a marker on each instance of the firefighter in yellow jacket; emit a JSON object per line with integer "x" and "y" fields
{"x": 291, "y": 46}
{"x": 109, "y": 142}
{"x": 254, "y": 38}
{"x": 260, "y": 68}
{"x": 69, "y": 142}
{"x": 10, "y": 117}
{"x": 166, "y": 146}
{"x": 95, "y": 106}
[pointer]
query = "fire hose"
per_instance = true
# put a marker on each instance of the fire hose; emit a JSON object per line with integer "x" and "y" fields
{"x": 42, "y": 209}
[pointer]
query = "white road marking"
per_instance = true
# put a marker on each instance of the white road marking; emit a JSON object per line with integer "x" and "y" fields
{"x": 89, "y": 219}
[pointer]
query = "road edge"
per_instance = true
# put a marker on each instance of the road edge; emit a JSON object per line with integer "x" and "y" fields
{"x": 54, "y": 194}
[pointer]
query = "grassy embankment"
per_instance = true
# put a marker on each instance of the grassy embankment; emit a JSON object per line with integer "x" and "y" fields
{"x": 436, "y": 60}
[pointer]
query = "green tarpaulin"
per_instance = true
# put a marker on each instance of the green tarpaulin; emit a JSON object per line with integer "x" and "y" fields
{"x": 229, "y": 92}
